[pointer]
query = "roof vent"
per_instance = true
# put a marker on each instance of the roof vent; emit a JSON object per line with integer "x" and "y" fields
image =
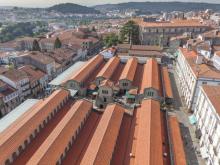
{"x": 131, "y": 155}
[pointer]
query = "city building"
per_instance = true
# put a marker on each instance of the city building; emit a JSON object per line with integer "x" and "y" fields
{"x": 9, "y": 98}
{"x": 160, "y": 32}
{"x": 207, "y": 114}
{"x": 193, "y": 70}
{"x": 102, "y": 122}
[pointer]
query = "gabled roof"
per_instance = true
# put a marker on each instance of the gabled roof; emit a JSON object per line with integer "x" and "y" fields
{"x": 129, "y": 69}
{"x": 177, "y": 142}
{"x": 149, "y": 147}
{"x": 55, "y": 144}
{"x": 167, "y": 83}
{"x": 23, "y": 127}
{"x": 151, "y": 76}
{"x": 101, "y": 147}
{"x": 107, "y": 83}
{"x": 109, "y": 68}
{"x": 213, "y": 94}
{"x": 82, "y": 74}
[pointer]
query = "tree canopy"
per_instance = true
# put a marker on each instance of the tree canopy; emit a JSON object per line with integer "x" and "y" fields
{"x": 111, "y": 40}
{"x": 36, "y": 46}
{"x": 130, "y": 33}
{"x": 57, "y": 43}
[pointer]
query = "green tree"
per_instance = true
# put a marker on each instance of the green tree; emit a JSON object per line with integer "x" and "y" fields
{"x": 93, "y": 29}
{"x": 111, "y": 40}
{"x": 36, "y": 46}
{"x": 57, "y": 43}
{"x": 130, "y": 33}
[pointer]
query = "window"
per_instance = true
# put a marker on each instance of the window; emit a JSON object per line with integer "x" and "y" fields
{"x": 204, "y": 83}
{"x": 105, "y": 100}
{"x": 104, "y": 92}
{"x": 125, "y": 84}
{"x": 150, "y": 93}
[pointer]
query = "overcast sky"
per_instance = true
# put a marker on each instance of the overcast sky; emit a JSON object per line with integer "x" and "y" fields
{"x": 44, "y": 3}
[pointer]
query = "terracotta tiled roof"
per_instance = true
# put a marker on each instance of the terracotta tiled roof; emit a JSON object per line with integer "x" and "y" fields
{"x": 129, "y": 69}
{"x": 203, "y": 70}
{"x": 167, "y": 83}
{"x": 32, "y": 73}
{"x": 217, "y": 53}
{"x": 149, "y": 137}
{"x": 146, "y": 48}
{"x": 40, "y": 57}
{"x": 107, "y": 83}
{"x": 142, "y": 53}
{"x": 151, "y": 75}
{"x": 15, "y": 75}
{"x": 82, "y": 74}
{"x": 22, "y": 128}
{"x": 101, "y": 147}
{"x": 177, "y": 142}
{"x": 172, "y": 23}
{"x": 213, "y": 94}
{"x": 109, "y": 68}
{"x": 55, "y": 144}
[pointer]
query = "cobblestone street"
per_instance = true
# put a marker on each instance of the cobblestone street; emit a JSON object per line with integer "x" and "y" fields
{"x": 191, "y": 143}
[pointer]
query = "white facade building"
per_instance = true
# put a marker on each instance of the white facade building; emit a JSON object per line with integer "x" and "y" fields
{"x": 194, "y": 71}
{"x": 207, "y": 111}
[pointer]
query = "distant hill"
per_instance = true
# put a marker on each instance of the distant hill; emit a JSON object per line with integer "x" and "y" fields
{"x": 156, "y": 7}
{"x": 73, "y": 9}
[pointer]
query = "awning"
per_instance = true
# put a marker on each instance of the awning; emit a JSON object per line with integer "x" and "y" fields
{"x": 73, "y": 92}
{"x": 192, "y": 119}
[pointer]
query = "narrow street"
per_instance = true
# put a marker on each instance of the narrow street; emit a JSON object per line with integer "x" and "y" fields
{"x": 191, "y": 143}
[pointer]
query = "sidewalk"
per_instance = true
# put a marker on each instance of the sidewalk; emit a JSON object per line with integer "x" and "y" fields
{"x": 191, "y": 143}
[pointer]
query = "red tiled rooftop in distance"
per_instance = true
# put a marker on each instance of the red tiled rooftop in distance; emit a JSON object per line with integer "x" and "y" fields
{"x": 172, "y": 23}
{"x": 202, "y": 70}
{"x": 149, "y": 137}
{"x": 151, "y": 76}
{"x": 177, "y": 143}
{"x": 213, "y": 94}
{"x": 102, "y": 145}
{"x": 129, "y": 69}
{"x": 167, "y": 83}
{"x": 54, "y": 146}
{"x": 33, "y": 74}
{"x": 20, "y": 130}
{"x": 109, "y": 68}
{"x": 82, "y": 74}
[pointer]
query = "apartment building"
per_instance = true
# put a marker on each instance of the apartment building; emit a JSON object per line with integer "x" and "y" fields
{"x": 39, "y": 60}
{"x": 9, "y": 98}
{"x": 160, "y": 32}
{"x": 38, "y": 80}
{"x": 18, "y": 80}
{"x": 207, "y": 114}
{"x": 193, "y": 70}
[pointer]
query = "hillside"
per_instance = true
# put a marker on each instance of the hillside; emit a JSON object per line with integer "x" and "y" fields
{"x": 156, "y": 7}
{"x": 73, "y": 9}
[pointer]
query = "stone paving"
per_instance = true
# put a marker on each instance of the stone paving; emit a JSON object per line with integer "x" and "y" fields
{"x": 191, "y": 143}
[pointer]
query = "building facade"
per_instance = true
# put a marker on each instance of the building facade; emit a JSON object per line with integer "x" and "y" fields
{"x": 207, "y": 112}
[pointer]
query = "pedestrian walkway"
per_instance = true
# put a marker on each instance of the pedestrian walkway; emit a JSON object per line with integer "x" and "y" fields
{"x": 191, "y": 143}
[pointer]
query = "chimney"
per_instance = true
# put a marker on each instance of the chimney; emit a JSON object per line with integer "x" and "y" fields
{"x": 199, "y": 59}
